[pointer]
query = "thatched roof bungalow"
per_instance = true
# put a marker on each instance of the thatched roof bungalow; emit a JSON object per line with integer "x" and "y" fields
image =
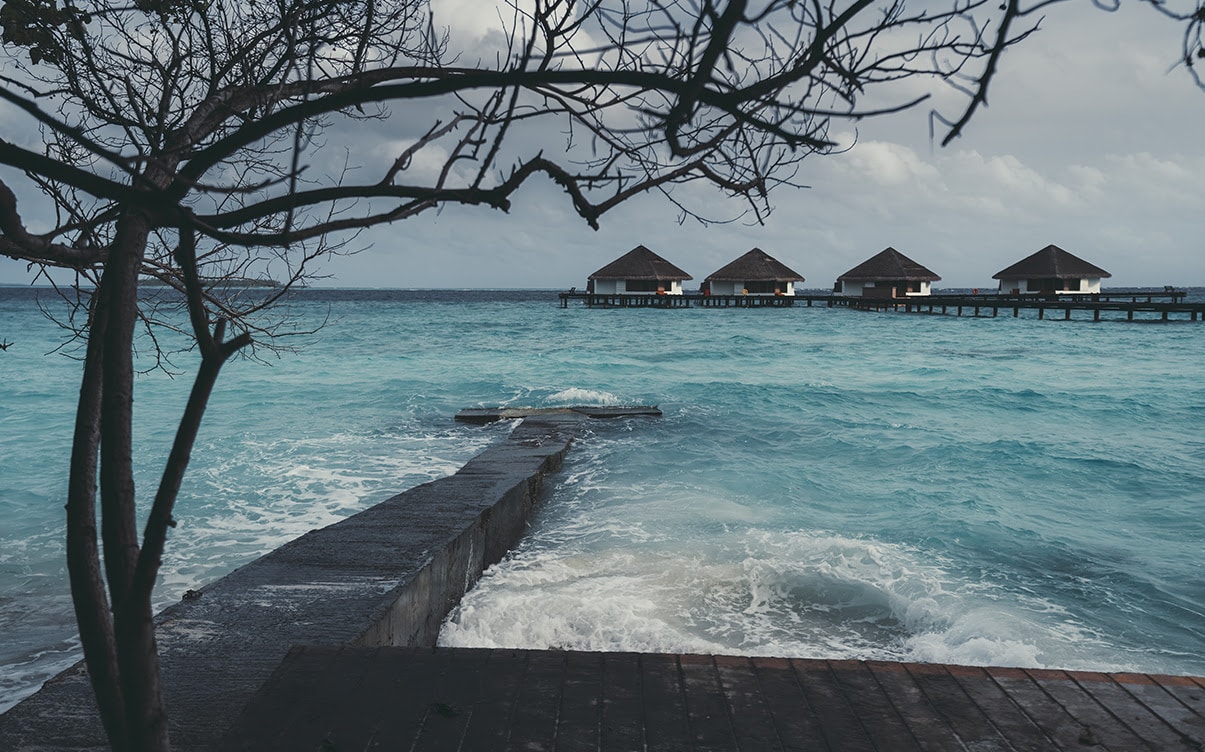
{"x": 755, "y": 273}
{"x": 887, "y": 274}
{"x": 639, "y": 271}
{"x": 1051, "y": 270}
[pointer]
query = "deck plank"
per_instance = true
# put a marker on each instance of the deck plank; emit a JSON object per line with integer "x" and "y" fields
{"x": 666, "y": 724}
{"x": 1097, "y": 723}
{"x": 370, "y": 701}
{"x": 338, "y": 685}
{"x": 1188, "y": 691}
{"x": 406, "y": 698}
{"x": 1013, "y": 724}
{"x": 1059, "y": 726}
{"x": 534, "y": 720}
{"x": 883, "y": 722}
{"x": 967, "y": 719}
{"x": 752, "y": 721}
{"x": 1146, "y": 725}
{"x": 839, "y": 721}
{"x": 453, "y": 695}
{"x": 1187, "y": 724}
{"x": 291, "y": 689}
{"x": 706, "y": 707}
{"x": 793, "y": 716}
{"x": 928, "y": 727}
{"x": 498, "y": 687}
{"x": 622, "y": 705}
{"x": 579, "y": 721}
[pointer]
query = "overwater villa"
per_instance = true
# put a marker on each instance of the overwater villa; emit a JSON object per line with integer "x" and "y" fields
{"x": 887, "y": 274}
{"x": 1051, "y": 270}
{"x": 755, "y": 273}
{"x": 639, "y": 271}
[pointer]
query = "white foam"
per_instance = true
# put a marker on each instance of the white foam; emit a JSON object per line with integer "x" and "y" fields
{"x": 582, "y": 603}
{"x": 580, "y": 396}
{"x": 795, "y": 594}
{"x": 976, "y": 640}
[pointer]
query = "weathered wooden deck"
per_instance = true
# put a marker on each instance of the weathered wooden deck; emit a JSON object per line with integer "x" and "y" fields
{"x": 345, "y": 699}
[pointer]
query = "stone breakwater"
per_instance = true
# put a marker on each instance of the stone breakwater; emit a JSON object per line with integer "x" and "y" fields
{"x": 386, "y": 576}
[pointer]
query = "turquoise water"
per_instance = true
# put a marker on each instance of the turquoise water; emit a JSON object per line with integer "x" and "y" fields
{"x": 823, "y": 482}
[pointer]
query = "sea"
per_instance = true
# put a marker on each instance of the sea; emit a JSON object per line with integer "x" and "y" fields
{"x": 822, "y": 483}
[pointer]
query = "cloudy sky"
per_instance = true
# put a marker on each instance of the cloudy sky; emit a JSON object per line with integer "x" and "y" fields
{"x": 1092, "y": 141}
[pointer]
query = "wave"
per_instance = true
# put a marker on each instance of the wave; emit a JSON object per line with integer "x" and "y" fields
{"x": 774, "y": 593}
{"x": 580, "y": 396}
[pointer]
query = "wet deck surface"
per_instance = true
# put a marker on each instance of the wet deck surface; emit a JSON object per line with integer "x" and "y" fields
{"x": 344, "y": 699}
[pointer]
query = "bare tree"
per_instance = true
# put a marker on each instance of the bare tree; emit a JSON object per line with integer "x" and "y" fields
{"x": 195, "y": 143}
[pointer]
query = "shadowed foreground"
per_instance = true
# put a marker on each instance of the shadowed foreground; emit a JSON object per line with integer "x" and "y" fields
{"x": 467, "y": 699}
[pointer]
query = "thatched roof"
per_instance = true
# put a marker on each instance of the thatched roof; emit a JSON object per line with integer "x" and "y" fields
{"x": 755, "y": 266}
{"x": 888, "y": 265}
{"x": 1052, "y": 261}
{"x": 640, "y": 263}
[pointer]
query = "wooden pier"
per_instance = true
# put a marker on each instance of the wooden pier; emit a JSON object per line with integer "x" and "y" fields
{"x": 688, "y": 300}
{"x": 1169, "y": 305}
{"x": 442, "y": 699}
{"x": 1130, "y": 306}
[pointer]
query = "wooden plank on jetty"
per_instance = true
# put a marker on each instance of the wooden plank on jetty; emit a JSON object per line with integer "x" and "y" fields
{"x": 502, "y": 699}
{"x": 483, "y": 415}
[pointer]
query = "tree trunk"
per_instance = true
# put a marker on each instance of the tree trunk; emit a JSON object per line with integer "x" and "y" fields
{"x": 83, "y": 554}
{"x": 133, "y": 626}
{"x": 119, "y": 644}
{"x": 117, "y": 632}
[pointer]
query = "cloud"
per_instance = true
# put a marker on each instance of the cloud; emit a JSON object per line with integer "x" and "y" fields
{"x": 1170, "y": 182}
{"x": 470, "y": 21}
{"x": 478, "y": 29}
{"x": 423, "y": 167}
{"x": 891, "y": 165}
{"x": 1006, "y": 175}
{"x": 1092, "y": 142}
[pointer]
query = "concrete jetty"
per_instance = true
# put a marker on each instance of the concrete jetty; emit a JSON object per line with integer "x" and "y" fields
{"x": 386, "y": 576}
